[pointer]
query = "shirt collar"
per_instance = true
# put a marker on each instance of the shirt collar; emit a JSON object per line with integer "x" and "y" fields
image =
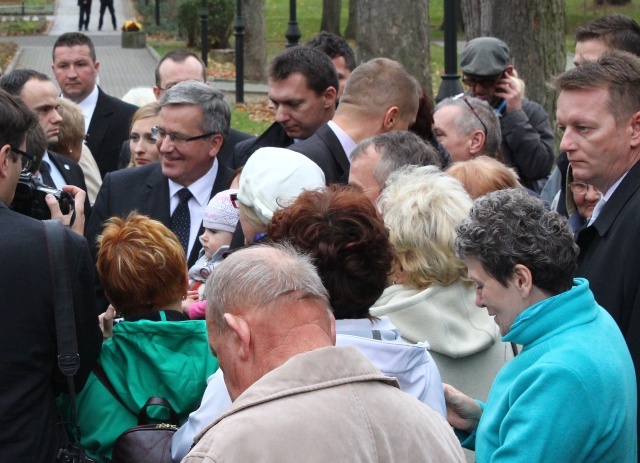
{"x": 201, "y": 188}
{"x": 345, "y": 140}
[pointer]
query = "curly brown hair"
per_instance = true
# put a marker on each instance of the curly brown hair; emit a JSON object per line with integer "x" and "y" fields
{"x": 348, "y": 241}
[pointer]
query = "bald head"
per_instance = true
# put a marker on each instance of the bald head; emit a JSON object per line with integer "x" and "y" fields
{"x": 265, "y": 304}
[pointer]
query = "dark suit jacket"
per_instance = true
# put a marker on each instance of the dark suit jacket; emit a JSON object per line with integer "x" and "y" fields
{"x": 72, "y": 175}
{"x": 324, "y": 148}
{"x": 608, "y": 252}
{"x": 109, "y": 127}
{"x": 274, "y": 136}
{"x": 29, "y": 375}
{"x": 146, "y": 190}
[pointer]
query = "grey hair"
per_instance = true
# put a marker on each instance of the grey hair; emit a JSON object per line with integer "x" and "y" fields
{"x": 397, "y": 149}
{"x": 467, "y": 122}
{"x": 253, "y": 278}
{"x": 215, "y": 109}
{"x": 511, "y": 227}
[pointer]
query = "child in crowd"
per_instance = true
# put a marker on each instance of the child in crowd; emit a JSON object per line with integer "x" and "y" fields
{"x": 219, "y": 222}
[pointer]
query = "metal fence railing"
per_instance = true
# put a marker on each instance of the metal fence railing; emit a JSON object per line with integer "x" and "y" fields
{"x": 25, "y": 9}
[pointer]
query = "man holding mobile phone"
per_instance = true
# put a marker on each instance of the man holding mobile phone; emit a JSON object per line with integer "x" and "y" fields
{"x": 527, "y": 138}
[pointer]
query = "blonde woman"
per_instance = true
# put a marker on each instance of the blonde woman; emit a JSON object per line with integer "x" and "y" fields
{"x": 143, "y": 146}
{"x": 430, "y": 298}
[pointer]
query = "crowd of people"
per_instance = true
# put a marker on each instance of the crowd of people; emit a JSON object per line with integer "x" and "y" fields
{"x": 373, "y": 278}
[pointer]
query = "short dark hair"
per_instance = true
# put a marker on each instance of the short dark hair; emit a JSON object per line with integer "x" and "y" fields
{"x": 15, "y": 120}
{"x": 36, "y": 146}
{"x": 72, "y": 39}
{"x": 14, "y": 82}
{"x": 616, "y": 71}
{"x": 616, "y": 31}
{"x": 333, "y": 46}
{"x": 346, "y": 237}
{"x": 510, "y": 227}
{"x": 313, "y": 64}
{"x": 179, "y": 56}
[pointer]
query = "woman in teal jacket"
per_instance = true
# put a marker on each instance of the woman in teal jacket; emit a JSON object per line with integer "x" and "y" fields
{"x": 570, "y": 395}
{"x": 156, "y": 350}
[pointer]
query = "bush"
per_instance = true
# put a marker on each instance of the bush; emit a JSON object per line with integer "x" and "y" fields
{"x": 220, "y": 21}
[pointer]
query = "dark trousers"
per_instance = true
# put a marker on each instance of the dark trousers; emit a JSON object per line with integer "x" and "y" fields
{"x": 85, "y": 13}
{"x": 104, "y": 4}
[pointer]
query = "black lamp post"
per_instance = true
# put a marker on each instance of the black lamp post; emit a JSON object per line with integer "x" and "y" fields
{"x": 293, "y": 31}
{"x": 450, "y": 85}
{"x": 204, "y": 19}
{"x": 157, "y": 12}
{"x": 238, "y": 28}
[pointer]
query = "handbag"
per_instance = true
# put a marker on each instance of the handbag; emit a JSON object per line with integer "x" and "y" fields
{"x": 68, "y": 356}
{"x": 145, "y": 443}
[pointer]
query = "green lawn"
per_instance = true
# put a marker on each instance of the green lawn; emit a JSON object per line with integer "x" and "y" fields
{"x": 309, "y": 13}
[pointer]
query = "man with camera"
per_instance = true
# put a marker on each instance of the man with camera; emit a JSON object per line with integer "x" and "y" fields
{"x": 29, "y": 375}
{"x": 527, "y": 138}
{"x": 55, "y": 170}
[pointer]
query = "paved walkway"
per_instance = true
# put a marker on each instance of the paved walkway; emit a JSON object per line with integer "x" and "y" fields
{"x": 120, "y": 69}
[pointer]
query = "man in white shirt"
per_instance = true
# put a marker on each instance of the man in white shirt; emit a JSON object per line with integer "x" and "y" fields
{"x": 107, "y": 119}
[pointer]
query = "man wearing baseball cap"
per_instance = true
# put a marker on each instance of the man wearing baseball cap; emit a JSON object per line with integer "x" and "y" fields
{"x": 527, "y": 138}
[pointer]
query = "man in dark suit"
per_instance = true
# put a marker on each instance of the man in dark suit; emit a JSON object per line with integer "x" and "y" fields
{"x": 179, "y": 66}
{"x": 380, "y": 96}
{"x": 107, "y": 119}
{"x": 303, "y": 85}
{"x": 194, "y": 120}
{"x": 599, "y": 113}
{"x": 29, "y": 375}
{"x": 40, "y": 95}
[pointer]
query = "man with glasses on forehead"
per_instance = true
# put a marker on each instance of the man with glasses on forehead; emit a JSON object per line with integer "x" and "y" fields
{"x": 29, "y": 375}
{"x": 527, "y": 138}
{"x": 194, "y": 121}
{"x": 467, "y": 127}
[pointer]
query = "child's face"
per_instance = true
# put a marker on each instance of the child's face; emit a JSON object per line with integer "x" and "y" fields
{"x": 212, "y": 240}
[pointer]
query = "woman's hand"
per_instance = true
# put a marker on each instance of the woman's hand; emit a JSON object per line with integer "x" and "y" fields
{"x": 190, "y": 298}
{"x": 106, "y": 322}
{"x": 462, "y": 411}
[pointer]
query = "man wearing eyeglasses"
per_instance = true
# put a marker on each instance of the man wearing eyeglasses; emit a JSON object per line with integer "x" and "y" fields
{"x": 194, "y": 120}
{"x": 29, "y": 376}
{"x": 40, "y": 95}
{"x": 527, "y": 138}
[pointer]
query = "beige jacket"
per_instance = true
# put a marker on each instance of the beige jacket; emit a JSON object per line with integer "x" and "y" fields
{"x": 327, "y": 405}
{"x": 465, "y": 341}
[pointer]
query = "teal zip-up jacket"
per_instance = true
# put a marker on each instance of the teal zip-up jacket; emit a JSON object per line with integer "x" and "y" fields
{"x": 144, "y": 358}
{"x": 570, "y": 396}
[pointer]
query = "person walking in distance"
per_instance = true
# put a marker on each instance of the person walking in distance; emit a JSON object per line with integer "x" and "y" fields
{"x": 104, "y": 4}
{"x": 85, "y": 13}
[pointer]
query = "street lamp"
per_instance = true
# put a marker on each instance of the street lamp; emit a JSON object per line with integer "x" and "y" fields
{"x": 238, "y": 28}
{"x": 450, "y": 85}
{"x": 293, "y": 31}
{"x": 204, "y": 18}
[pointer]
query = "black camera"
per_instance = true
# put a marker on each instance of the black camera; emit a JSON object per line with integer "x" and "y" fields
{"x": 29, "y": 198}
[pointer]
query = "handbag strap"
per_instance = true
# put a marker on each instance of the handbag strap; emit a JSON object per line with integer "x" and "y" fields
{"x": 143, "y": 416}
{"x": 68, "y": 356}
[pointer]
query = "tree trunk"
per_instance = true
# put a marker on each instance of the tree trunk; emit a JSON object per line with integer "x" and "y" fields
{"x": 538, "y": 53}
{"x": 331, "y": 16}
{"x": 352, "y": 23}
{"x": 398, "y": 30}
{"x": 255, "y": 40}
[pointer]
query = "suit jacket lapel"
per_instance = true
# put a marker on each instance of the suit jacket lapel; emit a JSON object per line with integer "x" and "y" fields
{"x": 98, "y": 126}
{"x": 156, "y": 195}
{"x": 335, "y": 147}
